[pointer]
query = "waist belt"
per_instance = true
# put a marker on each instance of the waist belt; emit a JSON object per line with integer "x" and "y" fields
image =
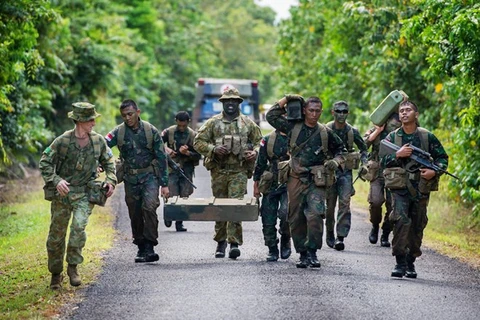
{"x": 141, "y": 170}
{"x": 77, "y": 188}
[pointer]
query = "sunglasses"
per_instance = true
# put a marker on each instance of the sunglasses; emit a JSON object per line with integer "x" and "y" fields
{"x": 341, "y": 111}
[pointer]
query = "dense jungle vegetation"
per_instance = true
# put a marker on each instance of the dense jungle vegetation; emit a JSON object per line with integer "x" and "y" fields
{"x": 53, "y": 53}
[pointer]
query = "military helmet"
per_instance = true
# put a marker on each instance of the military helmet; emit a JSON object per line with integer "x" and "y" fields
{"x": 231, "y": 93}
{"x": 83, "y": 112}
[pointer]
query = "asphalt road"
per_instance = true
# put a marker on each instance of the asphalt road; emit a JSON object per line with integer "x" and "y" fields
{"x": 190, "y": 283}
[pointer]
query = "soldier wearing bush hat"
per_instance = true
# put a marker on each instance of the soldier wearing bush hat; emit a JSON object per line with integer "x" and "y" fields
{"x": 83, "y": 112}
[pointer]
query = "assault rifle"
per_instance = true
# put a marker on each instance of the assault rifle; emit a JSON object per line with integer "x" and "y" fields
{"x": 172, "y": 164}
{"x": 420, "y": 156}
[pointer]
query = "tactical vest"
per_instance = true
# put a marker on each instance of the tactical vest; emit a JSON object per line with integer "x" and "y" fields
{"x": 147, "y": 127}
{"x": 349, "y": 134}
{"x": 190, "y": 138}
{"x": 423, "y": 133}
{"x": 323, "y": 135}
{"x": 64, "y": 141}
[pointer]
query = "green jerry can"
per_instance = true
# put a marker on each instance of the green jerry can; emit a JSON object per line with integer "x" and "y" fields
{"x": 388, "y": 106}
{"x": 210, "y": 209}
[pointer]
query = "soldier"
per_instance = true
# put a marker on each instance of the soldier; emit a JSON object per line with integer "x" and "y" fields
{"x": 178, "y": 141}
{"x": 316, "y": 152}
{"x": 411, "y": 193}
{"x": 343, "y": 189}
{"x": 273, "y": 149}
{"x": 373, "y": 172}
{"x": 145, "y": 169}
{"x": 69, "y": 168}
{"x": 227, "y": 141}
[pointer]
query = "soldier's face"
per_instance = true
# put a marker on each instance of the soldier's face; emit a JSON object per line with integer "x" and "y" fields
{"x": 130, "y": 116}
{"x": 340, "y": 114}
{"x": 231, "y": 106}
{"x": 182, "y": 125}
{"x": 312, "y": 112}
{"x": 87, "y": 126}
{"x": 407, "y": 114}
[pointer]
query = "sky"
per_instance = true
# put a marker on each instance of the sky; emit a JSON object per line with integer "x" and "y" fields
{"x": 281, "y": 7}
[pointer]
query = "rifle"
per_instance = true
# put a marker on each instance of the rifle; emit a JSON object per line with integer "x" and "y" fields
{"x": 358, "y": 176}
{"x": 172, "y": 164}
{"x": 420, "y": 156}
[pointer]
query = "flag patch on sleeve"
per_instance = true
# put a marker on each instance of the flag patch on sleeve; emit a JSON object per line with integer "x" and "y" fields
{"x": 109, "y": 137}
{"x": 262, "y": 142}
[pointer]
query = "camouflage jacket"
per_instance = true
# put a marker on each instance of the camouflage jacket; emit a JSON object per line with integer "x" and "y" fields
{"x": 181, "y": 139}
{"x": 311, "y": 154}
{"x": 216, "y": 128}
{"x": 136, "y": 154}
{"x": 357, "y": 139}
{"x": 264, "y": 160}
{"x": 79, "y": 165}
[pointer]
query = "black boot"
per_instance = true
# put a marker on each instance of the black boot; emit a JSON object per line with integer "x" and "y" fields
{"x": 272, "y": 253}
{"x": 303, "y": 261}
{"x": 220, "y": 251}
{"x": 339, "y": 245}
{"x": 179, "y": 226}
{"x": 141, "y": 254}
{"x": 285, "y": 247}
{"x": 400, "y": 267}
{"x": 373, "y": 236}
{"x": 410, "y": 272}
{"x": 150, "y": 255}
{"x": 168, "y": 223}
{"x": 330, "y": 239}
{"x": 312, "y": 257}
{"x": 234, "y": 252}
{"x": 384, "y": 240}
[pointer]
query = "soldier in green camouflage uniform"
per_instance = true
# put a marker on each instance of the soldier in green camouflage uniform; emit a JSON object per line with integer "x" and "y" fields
{"x": 409, "y": 214}
{"x": 306, "y": 200}
{"x": 178, "y": 140}
{"x": 145, "y": 168}
{"x": 227, "y": 141}
{"x": 69, "y": 165}
{"x": 273, "y": 149}
{"x": 378, "y": 194}
{"x": 343, "y": 189}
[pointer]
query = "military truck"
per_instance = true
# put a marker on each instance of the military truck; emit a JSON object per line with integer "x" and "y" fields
{"x": 208, "y": 90}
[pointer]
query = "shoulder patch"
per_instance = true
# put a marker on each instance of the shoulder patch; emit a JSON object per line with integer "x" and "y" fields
{"x": 47, "y": 151}
{"x": 262, "y": 142}
{"x": 109, "y": 136}
{"x": 109, "y": 152}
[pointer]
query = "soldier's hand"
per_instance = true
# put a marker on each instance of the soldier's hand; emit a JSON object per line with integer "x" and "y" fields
{"x": 256, "y": 193}
{"x": 165, "y": 192}
{"x": 110, "y": 190}
{"x": 221, "y": 150}
{"x": 250, "y": 155}
{"x": 331, "y": 164}
{"x": 184, "y": 150}
{"x": 404, "y": 152}
{"x": 62, "y": 188}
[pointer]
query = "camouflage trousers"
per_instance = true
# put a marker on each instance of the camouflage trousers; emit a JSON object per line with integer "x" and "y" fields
{"x": 227, "y": 184}
{"x": 274, "y": 206}
{"x": 342, "y": 190}
{"x": 377, "y": 196}
{"x": 178, "y": 186}
{"x": 306, "y": 211}
{"x": 142, "y": 202}
{"x": 77, "y": 207}
{"x": 409, "y": 219}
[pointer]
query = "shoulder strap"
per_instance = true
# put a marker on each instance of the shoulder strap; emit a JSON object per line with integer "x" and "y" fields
{"x": 324, "y": 137}
{"x": 295, "y": 133}
{"x": 121, "y": 135}
{"x": 63, "y": 145}
{"x": 97, "y": 144}
{"x": 330, "y": 124}
{"x": 191, "y": 136}
{"x": 148, "y": 133}
{"x": 271, "y": 143}
{"x": 171, "y": 136}
{"x": 423, "y": 138}
{"x": 398, "y": 139}
{"x": 350, "y": 137}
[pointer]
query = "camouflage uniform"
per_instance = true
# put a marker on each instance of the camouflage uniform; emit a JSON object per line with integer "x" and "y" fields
{"x": 409, "y": 214}
{"x": 274, "y": 203}
{"x": 306, "y": 201}
{"x": 343, "y": 187}
{"x": 177, "y": 185}
{"x": 79, "y": 168}
{"x": 145, "y": 171}
{"x": 229, "y": 175}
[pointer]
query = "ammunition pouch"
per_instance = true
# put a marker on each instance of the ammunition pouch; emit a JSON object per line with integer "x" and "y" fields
{"x": 352, "y": 160}
{"x": 119, "y": 170}
{"x": 97, "y": 193}
{"x": 372, "y": 173}
{"x": 395, "y": 178}
{"x": 426, "y": 186}
{"x": 49, "y": 191}
{"x": 283, "y": 171}
{"x": 208, "y": 163}
{"x": 266, "y": 182}
{"x": 322, "y": 177}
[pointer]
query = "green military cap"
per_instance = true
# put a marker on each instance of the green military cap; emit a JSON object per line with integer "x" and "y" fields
{"x": 83, "y": 112}
{"x": 230, "y": 93}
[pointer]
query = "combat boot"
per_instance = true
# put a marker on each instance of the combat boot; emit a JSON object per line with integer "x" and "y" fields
{"x": 373, "y": 236}
{"x": 73, "y": 275}
{"x": 410, "y": 271}
{"x": 272, "y": 253}
{"x": 234, "y": 252}
{"x": 141, "y": 254}
{"x": 56, "y": 282}
{"x": 384, "y": 240}
{"x": 330, "y": 239}
{"x": 303, "y": 261}
{"x": 179, "y": 226}
{"x": 220, "y": 251}
{"x": 400, "y": 267}
{"x": 285, "y": 247}
{"x": 339, "y": 245}
{"x": 312, "y": 258}
{"x": 150, "y": 255}
{"x": 168, "y": 223}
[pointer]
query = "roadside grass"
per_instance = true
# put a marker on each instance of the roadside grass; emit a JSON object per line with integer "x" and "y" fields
{"x": 451, "y": 229}
{"x": 24, "y": 224}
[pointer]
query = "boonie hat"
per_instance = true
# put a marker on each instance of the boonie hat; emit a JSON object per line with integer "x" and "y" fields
{"x": 230, "y": 93}
{"x": 83, "y": 112}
